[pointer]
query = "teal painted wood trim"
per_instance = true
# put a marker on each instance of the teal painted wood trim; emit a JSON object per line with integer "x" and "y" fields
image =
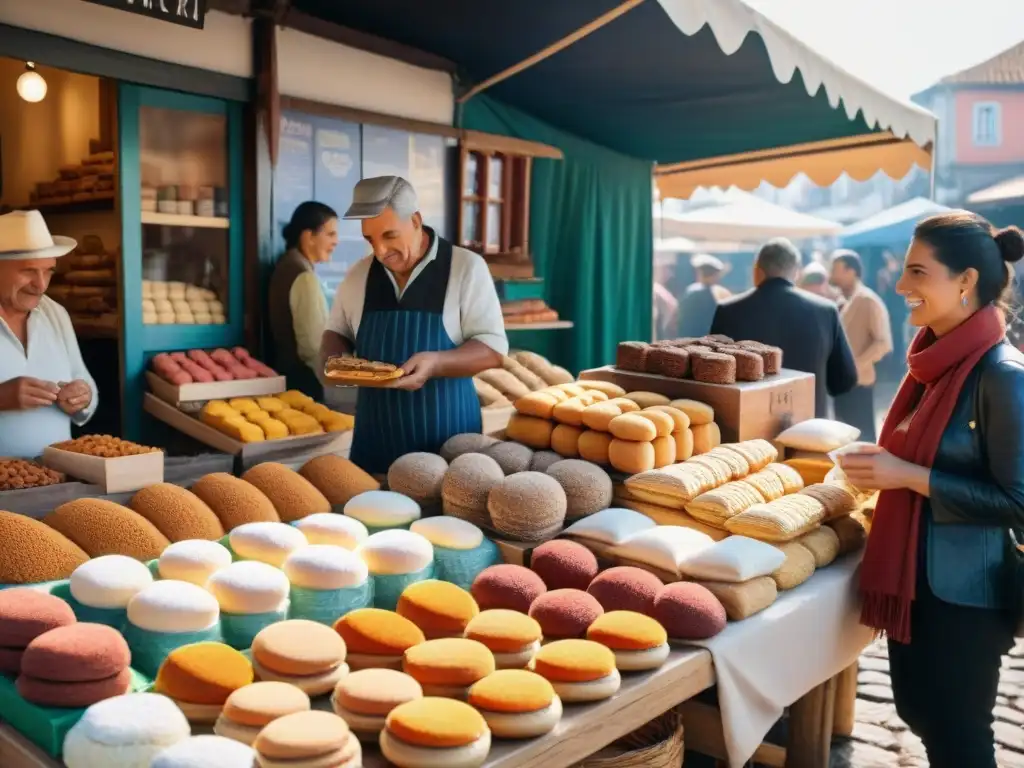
{"x": 140, "y": 342}
{"x": 130, "y": 193}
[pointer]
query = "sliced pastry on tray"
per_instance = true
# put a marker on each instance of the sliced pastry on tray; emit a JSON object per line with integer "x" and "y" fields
{"x": 355, "y": 371}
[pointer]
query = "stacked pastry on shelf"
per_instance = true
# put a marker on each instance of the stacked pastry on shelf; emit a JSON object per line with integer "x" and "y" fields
{"x": 92, "y": 179}
{"x": 86, "y": 281}
{"x": 197, "y": 366}
{"x": 255, "y": 419}
{"x": 600, "y": 422}
{"x": 176, "y": 303}
{"x": 527, "y": 312}
{"x": 709, "y": 359}
{"x": 520, "y": 374}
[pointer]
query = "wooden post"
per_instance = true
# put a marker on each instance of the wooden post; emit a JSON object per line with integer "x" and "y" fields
{"x": 810, "y": 728}
{"x": 846, "y": 701}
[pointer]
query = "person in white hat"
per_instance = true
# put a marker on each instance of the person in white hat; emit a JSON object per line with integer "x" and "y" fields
{"x": 421, "y": 303}
{"x": 44, "y": 384}
{"x": 700, "y": 299}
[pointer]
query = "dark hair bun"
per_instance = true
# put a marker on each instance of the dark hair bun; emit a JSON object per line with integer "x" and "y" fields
{"x": 1011, "y": 244}
{"x": 290, "y": 235}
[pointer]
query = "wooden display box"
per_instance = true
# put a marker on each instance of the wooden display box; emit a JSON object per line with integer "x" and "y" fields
{"x": 217, "y": 390}
{"x": 39, "y": 502}
{"x": 743, "y": 411}
{"x": 287, "y": 450}
{"x": 125, "y": 473}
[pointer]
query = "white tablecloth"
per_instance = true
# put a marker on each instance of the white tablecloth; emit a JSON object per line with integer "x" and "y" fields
{"x": 767, "y": 662}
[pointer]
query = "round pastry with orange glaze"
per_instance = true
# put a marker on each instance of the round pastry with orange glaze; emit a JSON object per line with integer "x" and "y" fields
{"x": 439, "y": 608}
{"x": 578, "y": 670}
{"x": 377, "y": 639}
{"x": 200, "y": 677}
{"x": 365, "y": 698}
{"x": 639, "y": 642}
{"x": 513, "y": 637}
{"x": 517, "y": 704}
{"x": 305, "y": 654}
{"x": 449, "y": 666}
{"x": 436, "y": 733}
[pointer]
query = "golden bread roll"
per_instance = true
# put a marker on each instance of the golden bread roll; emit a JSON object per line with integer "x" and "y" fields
{"x": 632, "y": 426}
{"x": 594, "y": 446}
{"x": 609, "y": 389}
{"x": 699, "y": 413}
{"x": 625, "y": 404}
{"x": 538, "y": 404}
{"x": 565, "y": 440}
{"x": 599, "y": 415}
{"x": 530, "y": 430}
{"x": 684, "y": 444}
{"x": 664, "y": 451}
{"x": 679, "y": 418}
{"x": 570, "y": 412}
{"x": 631, "y": 456}
{"x": 705, "y": 437}
{"x": 647, "y": 399}
{"x": 663, "y": 423}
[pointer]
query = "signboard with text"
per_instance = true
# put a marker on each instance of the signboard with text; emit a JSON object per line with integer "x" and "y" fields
{"x": 185, "y": 13}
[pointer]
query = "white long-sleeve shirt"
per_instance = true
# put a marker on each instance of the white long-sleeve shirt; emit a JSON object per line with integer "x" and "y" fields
{"x": 52, "y": 355}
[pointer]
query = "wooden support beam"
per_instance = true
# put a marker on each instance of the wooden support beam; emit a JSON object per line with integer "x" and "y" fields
{"x": 810, "y": 727}
{"x": 702, "y": 726}
{"x": 846, "y": 701}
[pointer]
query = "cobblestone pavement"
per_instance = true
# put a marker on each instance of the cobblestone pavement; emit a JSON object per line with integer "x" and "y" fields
{"x": 881, "y": 740}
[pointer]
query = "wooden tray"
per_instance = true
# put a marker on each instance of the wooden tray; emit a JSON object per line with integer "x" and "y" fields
{"x": 287, "y": 450}
{"x": 216, "y": 390}
{"x": 354, "y": 382}
{"x": 125, "y": 473}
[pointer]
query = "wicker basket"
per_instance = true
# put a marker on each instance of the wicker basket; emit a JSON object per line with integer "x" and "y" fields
{"x": 658, "y": 744}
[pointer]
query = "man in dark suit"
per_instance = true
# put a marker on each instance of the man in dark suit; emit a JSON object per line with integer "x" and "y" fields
{"x": 806, "y": 327}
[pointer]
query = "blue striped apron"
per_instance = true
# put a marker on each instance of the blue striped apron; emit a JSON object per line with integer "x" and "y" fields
{"x": 393, "y": 422}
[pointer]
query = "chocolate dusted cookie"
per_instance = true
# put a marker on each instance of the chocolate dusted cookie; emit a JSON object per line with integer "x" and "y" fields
{"x": 772, "y": 356}
{"x": 632, "y": 356}
{"x": 749, "y": 364}
{"x": 713, "y": 368}
{"x": 668, "y": 361}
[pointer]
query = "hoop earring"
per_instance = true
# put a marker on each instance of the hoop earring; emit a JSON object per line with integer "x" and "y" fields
{"x": 963, "y": 299}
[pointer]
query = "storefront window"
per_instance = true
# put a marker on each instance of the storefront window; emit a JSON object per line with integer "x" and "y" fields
{"x": 495, "y": 199}
{"x": 185, "y": 218}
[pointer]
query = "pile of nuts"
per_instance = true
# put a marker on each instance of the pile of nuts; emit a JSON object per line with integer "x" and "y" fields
{"x": 18, "y": 474}
{"x": 104, "y": 447}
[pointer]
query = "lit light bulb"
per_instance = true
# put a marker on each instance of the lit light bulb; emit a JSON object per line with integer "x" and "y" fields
{"x": 31, "y": 85}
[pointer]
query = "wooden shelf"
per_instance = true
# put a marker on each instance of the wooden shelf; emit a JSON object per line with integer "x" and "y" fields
{"x": 101, "y": 204}
{"x": 176, "y": 220}
{"x": 555, "y": 325}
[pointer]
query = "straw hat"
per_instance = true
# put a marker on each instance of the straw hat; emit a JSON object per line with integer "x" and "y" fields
{"x": 24, "y": 235}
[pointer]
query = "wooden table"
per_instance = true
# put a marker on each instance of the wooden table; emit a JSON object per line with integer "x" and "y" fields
{"x": 584, "y": 729}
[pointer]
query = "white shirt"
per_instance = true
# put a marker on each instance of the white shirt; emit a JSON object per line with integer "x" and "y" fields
{"x": 471, "y": 306}
{"x": 53, "y": 355}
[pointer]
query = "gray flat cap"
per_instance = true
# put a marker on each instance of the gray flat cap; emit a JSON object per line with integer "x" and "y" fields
{"x": 371, "y": 196}
{"x": 707, "y": 261}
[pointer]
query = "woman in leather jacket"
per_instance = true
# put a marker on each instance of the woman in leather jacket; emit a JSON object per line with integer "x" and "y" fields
{"x": 937, "y": 576}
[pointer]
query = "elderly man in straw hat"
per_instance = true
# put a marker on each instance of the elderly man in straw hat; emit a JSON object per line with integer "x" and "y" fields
{"x": 44, "y": 384}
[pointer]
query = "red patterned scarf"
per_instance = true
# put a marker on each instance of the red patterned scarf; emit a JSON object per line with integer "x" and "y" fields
{"x": 938, "y": 369}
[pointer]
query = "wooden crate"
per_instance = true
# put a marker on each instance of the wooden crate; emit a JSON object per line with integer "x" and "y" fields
{"x": 125, "y": 473}
{"x": 288, "y": 450}
{"x": 743, "y": 411}
{"x": 216, "y": 390}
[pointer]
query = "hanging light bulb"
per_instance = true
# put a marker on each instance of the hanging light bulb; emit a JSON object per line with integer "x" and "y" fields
{"x": 31, "y": 85}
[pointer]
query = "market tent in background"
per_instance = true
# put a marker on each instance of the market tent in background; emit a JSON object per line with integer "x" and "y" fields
{"x": 891, "y": 227}
{"x": 750, "y": 221}
{"x": 620, "y": 87}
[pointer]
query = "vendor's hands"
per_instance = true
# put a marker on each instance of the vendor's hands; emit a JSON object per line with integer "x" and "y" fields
{"x": 873, "y": 468}
{"x": 74, "y": 396}
{"x": 419, "y": 369}
{"x": 25, "y": 393}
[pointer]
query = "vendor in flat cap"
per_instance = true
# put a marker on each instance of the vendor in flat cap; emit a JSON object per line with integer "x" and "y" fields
{"x": 44, "y": 384}
{"x": 420, "y": 303}
{"x": 700, "y": 299}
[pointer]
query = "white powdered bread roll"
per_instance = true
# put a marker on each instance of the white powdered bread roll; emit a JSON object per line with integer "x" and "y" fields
{"x": 193, "y": 560}
{"x": 330, "y": 528}
{"x": 610, "y": 526}
{"x": 249, "y": 586}
{"x": 269, "y": 543}
{"x": 324, "y": 566}
{"x": 665, "y": 547}
{"x": 382, "y": 509}
{"x": 127, "y": 730}
{"x": 173, "y": 606}
{"x": 206, "y": 752}
{"x": 449, "y": 532}
{"x": 110, "y": 581}
{"x": 396, "y": 551}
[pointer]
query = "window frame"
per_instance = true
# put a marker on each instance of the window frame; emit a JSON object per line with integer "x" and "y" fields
{"x": 978, "y": 108}
{"x": 513, "y": 202}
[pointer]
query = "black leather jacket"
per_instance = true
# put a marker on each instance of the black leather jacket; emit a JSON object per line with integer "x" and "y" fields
{"x": 977, "y": 487}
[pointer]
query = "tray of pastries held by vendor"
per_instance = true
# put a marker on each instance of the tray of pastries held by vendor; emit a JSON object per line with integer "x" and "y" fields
{"x": 712, "y": 359}
{"x": 350, "y": 371}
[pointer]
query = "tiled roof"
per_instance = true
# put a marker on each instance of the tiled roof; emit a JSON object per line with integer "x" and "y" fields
{"x": 1006, "y": 68}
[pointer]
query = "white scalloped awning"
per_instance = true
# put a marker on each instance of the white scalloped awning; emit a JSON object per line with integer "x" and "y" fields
{"x": 732, "y": 20}
{"x": 906, "y": 131}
